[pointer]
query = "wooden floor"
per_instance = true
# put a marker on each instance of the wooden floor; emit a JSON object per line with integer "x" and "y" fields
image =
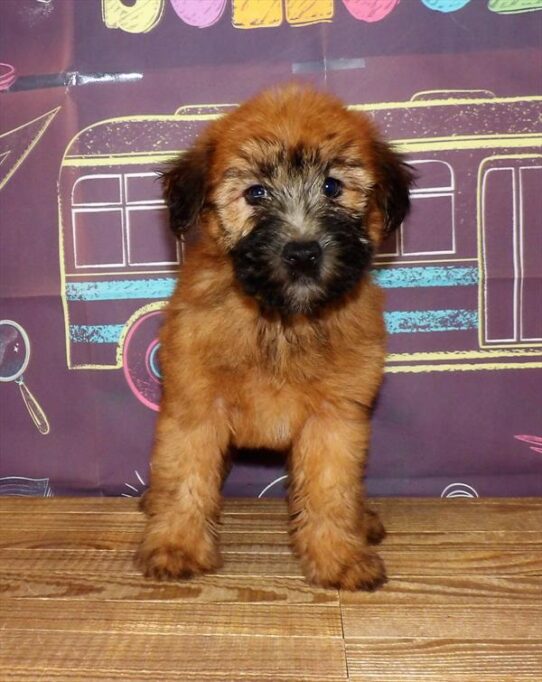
{"x": 464, "y": 601}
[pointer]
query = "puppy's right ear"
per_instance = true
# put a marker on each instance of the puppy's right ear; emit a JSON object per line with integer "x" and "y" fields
{"x": 185, "y": 188}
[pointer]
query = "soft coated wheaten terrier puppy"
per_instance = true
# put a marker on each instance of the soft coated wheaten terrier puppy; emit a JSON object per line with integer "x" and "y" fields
{"x": 274, "y": 337}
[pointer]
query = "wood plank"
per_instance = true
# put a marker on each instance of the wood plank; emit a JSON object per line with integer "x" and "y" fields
{"x": 435, "y": 660}
{"x": 133, "y": 656}
{"x": 211, "y": 588}
{"x": 459, "y": 590}
{"x": 121, "y": 562}
{"x": 127, "y": 534}
{"x": 411, "y": 515}
{"x": 451, "y": 621}
{"x": 103, "y": 538}
{"x": 126, "y": 505}
{"x": 22, "y": 674}
{"x": 272, "y": 620}
{"x": 266, "y": 560}
{"x": 496, "y": 524}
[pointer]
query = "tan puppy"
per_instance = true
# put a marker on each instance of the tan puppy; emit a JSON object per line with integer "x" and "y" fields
{"x": 274, "y": 336}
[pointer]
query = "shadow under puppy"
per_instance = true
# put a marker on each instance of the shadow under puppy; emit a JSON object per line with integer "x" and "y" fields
{"x": 275, "y": 337}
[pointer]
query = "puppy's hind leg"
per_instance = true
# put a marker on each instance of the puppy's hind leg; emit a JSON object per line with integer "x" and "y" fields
{"x": 330, "y": 526}
{"x": 183, "y": 501}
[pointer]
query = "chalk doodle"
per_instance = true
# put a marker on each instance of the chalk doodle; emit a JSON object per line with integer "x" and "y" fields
{"x": 22, "y": 486}
{"x": 534, "y": 442}
{"x": 14, "y": 359}
{"x": 274, "y": 484}
{"x": 374, "y": 10}
{"x": 16, "y": 144}
{"x": 142, "y": 16}
{"x": 455, "y": 490}
{"x": 135, "y": 490}
{"x": 475, "y": 156}
{"x": 200, "y": 13}
{"x": 139, "y": 17}
{"x": 514, "y": 6}
{"x": 8, "y": 76}
{"x": 445, "y": 5}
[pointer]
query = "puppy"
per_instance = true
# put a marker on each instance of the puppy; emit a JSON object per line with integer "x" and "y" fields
{"x": 274, "y": 337}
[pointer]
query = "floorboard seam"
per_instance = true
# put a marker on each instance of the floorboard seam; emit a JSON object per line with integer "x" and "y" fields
{"x": 343, "y": 637}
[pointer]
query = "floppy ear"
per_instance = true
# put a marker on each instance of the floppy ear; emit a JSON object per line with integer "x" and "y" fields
{"x": 394, "y": 179}
{"x": 185, "y": 187}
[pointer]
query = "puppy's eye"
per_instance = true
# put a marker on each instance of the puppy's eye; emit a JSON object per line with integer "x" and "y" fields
{"x": 256, "y": 193}
{"x": 332, "y": 188}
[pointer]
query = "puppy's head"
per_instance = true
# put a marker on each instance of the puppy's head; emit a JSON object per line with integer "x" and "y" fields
{"x": 297, "y": 190}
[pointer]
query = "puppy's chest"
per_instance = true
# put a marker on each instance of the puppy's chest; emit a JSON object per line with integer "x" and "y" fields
{"x": 293, "y": 352}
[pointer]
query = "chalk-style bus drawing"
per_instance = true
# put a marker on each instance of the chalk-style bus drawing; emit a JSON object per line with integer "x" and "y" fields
{"x": 471, "y": 248}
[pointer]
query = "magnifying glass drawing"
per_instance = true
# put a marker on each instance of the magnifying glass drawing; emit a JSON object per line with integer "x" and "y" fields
{"x": 14, "y": 359}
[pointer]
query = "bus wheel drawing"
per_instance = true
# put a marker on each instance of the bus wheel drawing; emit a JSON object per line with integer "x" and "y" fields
{"x": 140, "y": 359}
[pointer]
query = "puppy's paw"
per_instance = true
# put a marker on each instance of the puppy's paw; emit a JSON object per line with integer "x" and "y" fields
{"x": 144, "y": 503}
{"x": 374, "y": 529}
{"x": 363, "y": 570}
{"x": 171, "y": 561}
{"x": 368, "y": 573}
{"x": 153, "y": 502}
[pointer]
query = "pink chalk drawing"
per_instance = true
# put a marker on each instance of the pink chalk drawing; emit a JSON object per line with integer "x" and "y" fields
{"x": 199, "y": 13}
{"x": 7, "y": 76}
{"x": 140, "y": 359}
{"x": 370, "y": 10}
{"x": 535, "y": 442}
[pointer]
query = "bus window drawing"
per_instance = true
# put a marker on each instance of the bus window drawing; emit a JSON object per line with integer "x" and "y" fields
{"x": 471, "y": 238}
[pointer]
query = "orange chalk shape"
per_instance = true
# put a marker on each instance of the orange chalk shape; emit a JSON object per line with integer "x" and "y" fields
{"x": 256, "y": 13}
{"x": 304, "y": 12}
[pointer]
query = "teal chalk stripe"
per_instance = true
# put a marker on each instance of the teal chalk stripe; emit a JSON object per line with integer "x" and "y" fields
{"x": 430, "y": 276}
{"x": 413, "y": 321}
{"x": 397, "y": 322}
{"x": 95, "y": 333}
{"x": 157, "y": 287}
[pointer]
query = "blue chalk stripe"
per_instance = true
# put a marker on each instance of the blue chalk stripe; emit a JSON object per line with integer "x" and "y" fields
{"x": 95, "y": 333}
{"x": 413, "y": 321}
{"x": 120, "y": 289}
{"x": 431, "y": 276}
{"x": 162, "y": 287}
{"x": 397, "y": 322}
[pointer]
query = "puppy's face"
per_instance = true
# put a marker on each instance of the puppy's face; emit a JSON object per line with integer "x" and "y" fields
{"x": 297, "y": 191}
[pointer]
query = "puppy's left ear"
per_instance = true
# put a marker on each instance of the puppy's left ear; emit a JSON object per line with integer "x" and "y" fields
{"x": 185, "y": 187}
{"x": 392, "y": 189}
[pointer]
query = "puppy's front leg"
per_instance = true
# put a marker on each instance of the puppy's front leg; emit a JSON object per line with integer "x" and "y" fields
{"x": 329, "y": 522}
{"x": 183, "y": 502}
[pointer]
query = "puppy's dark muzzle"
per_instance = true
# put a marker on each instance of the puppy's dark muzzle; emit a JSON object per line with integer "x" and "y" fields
{"x": 302, "y": 258}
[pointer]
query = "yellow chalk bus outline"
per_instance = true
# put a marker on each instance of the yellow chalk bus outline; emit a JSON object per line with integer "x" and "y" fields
{"x": 507, "y": 356}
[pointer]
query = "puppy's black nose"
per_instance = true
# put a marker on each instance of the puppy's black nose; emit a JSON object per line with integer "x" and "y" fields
{"x": 303, "y": 257}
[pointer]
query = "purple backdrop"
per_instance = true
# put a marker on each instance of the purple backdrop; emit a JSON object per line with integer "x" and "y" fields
{"x": 95, "y": 96}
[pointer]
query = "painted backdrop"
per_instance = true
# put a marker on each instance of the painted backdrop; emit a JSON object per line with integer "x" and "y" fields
{"x": 97, "y": 94}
